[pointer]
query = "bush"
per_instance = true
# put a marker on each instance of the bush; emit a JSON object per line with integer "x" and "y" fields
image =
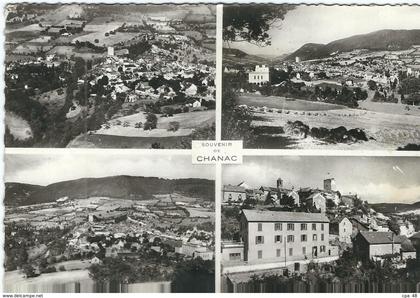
{"x": 49, "y": 269}
{"x": 138, "y": 125}
{"x": 173, "y": 126}
{"x": 62, "y": 268}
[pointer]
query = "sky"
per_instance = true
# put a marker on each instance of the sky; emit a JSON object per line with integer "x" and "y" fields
{"x": 323, "y": 24}
{"x": 375, "y": 179}
{"x": 45, "y": 169}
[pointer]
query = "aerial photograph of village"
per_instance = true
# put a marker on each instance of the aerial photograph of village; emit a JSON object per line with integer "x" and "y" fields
{"x": 322, "y": 77}
{"x": 109, "y": 76}
{"x": 308, "y": 224}
{"x": 140, "y": 224}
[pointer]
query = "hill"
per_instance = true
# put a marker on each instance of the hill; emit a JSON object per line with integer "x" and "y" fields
{"x": 374, "y": 41}
{"x": 136, "y": 188}
{"x": 235, "y": 56}
{"x": 394, "y": 207}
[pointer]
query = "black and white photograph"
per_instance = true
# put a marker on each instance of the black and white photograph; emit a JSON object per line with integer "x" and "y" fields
{"x": 108, "y": 223}
{"x": 109, "y": 76}
{"x": 321, "y": 224}
{"x": 342, "y": 77}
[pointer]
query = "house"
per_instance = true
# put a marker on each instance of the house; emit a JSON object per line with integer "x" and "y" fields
{"x": 329, "y": 184}
{"x": 318, "y": 201}
{"x": 232, "y": 252}
{"x": 408, "y": 251}
{"x": 343, "y": 228}
{"x": 415, "y": 240}
{"x": 260, "y": 76}
{"x": 292, "y": 194}
{"x": 370, "y": 244}
{"x": 348, "y": 200}
{"x": 406, "y": 228}
{"x": 233, "y": 194}
{"x": 358, "y": 226}
{"x": 278, "y": 236}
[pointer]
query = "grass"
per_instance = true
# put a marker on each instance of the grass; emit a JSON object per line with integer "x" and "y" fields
{"x": 109, "y": 141}
{"x": 279, "y": 102}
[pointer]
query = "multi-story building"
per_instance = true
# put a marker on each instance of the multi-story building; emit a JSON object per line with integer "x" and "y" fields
{"x": 260, "y": 76}
{"x": 284, "y": 236}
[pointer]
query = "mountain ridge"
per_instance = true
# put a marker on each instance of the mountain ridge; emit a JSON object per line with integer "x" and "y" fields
{"x": 387, "y": 39}
{"x": 121, "y": 186}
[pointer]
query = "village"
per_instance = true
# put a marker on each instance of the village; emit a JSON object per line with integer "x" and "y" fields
{"x": 277, "y": 231}
{"x": 141, "y": 81}
{"x": 72, "y": 235}
{"x": 354, "y": 89}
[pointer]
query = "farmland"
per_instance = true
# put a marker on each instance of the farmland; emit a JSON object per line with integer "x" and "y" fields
{"x": 280, "y": 102}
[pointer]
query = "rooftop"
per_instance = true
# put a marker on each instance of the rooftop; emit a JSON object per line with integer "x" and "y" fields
{"x": 233, "y": 188}
{"x": 275, "y": 216}
{"x": 380, "y": 237}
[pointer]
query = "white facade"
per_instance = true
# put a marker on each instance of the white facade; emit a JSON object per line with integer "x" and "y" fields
{"x": 260, "y": 76}
{"x": 110, "y": 51}
{"x": 345, "y": 229}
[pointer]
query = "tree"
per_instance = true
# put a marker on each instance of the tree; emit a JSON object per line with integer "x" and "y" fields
{"x": 251, "y": 23}
{"x": 29, "y": 271}
{"x": 372, "y": 85}
{"x": 194, "y": 276}
{"x": 151, "y": 122}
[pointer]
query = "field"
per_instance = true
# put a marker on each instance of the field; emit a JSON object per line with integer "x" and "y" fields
{"x": 15, "y": 282}
{"x": 201, "y": 212}
{"x": 108, "y": 141}
{"x": 387, "y": 131}
{"x": 187, "y": 121}
{"x": 18, "y": 126}
{"x": 280, "y": 102}
{"x": 106, "y": 41}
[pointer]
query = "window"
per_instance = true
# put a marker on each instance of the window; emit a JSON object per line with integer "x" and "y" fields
{"x": 290, "y": 238}
{"x": 278, "y": 252}
{"x": 259, "y": 227}
{"x": 235, "y": 256}
{"x": 260, "y": 254}
{"x": 230, "y": 197}
{"x": 303, "y": 227}
{"x": 290, "y": 251}
{"x": 313, "y": 227}
{"x": 278, "y": 239}
{"x": 240, "y": 197}
{"x": 290, "y": 227}
{"x": 259, "y": 240}
{"x": 322, "y": 248}
{"x": 278, "y": 226}
{"x": 322, "y": 227}
{"x": 304, "y": 238}
{"x": 322, "y": 237}
{"x": 304, "y": 250}
{"x": 314, "y": 237}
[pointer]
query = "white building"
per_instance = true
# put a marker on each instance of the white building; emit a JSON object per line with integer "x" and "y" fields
{"x": 260, "y": 76}
{"x": 110, "y": 51}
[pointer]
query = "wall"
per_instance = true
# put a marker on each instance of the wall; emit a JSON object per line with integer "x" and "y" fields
{"x": 269, "y": 247}
{"x": 235, "y": 196}
{"x": 384, "y": 249}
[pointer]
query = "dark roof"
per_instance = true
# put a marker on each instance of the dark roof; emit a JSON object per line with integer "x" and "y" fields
{"x": 233, "y": 188}
{"x": 406, "y": 244}
{"x": 415, "y": 236}
{"x": 276, "y": 216}
{"x": 268, "y": 188}
{"x": 380, "y": 237}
